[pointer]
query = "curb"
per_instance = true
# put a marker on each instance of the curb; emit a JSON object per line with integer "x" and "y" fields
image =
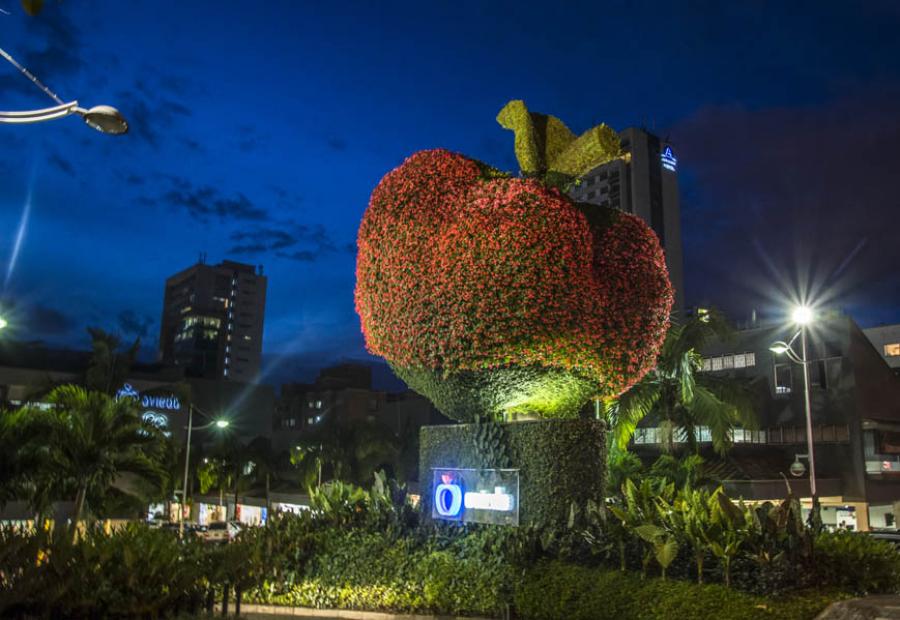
{"x": 350, "y": 614}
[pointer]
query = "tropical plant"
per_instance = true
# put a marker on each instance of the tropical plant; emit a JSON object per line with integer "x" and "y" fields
{"x": 266, "y": 465}
{"x": 692, "y": 520}
{"x": 95, "y": 442}
{"x": 643, "y": 513}
{"x": 730, "y": 529}
{"x": 681, "y": 398}
{"x": 110, "y": 363}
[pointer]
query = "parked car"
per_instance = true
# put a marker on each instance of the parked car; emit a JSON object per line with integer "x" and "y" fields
{"x": 221, "y": 531}
{"x": 891, "y": 536}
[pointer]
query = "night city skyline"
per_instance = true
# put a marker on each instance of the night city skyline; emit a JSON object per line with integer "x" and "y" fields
{"x": 258, "y": 134}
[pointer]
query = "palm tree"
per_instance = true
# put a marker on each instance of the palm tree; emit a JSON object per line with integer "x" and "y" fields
{"x": 95, "y": 441}
{"x": 266, "y": 464}
{"x": 109, "y": 365}
{"x": 682, "y": 398}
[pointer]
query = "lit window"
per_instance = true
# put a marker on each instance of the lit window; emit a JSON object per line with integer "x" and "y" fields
{"x": 892, "y": 350}
{"x": 750, "y": 359}
{"x": 247, "y": 338}
{"x": 728, "y": 361}
{"x": 318, "y": 404}
{"x": 740, "y": 361}
{"x": 225, "y": 373}
{"x": 783, "y": 382}
{"x": 716, "y": 363}
{"x": 707, "y": 364}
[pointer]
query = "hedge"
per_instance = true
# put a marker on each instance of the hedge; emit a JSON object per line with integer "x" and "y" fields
{"x": 559, "y": 461}
{"x": 555, "y": 590}
{"x": 368, "y": 571}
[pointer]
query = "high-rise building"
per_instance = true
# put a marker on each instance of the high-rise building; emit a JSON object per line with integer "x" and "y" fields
{"x": 886, "y": 340}
{"x": 644, "y": 183}
{"x": 212, "y": 321}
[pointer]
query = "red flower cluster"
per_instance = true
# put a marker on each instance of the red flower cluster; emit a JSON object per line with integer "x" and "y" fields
{"x": 459, "y": 270}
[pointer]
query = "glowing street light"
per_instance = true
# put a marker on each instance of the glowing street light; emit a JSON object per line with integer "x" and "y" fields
{"x": 3, "y": 322}
{"x": 221, "y": 423}
{"x": 802, "y": 316}
{"x": 105, "y": 119}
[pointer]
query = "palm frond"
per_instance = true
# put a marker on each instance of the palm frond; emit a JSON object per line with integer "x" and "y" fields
{"x": 624, "y": 414}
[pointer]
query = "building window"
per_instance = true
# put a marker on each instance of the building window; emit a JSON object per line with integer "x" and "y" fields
{"x": 716, "y": 363}
{"x": 892, "y": 350}
{"x": 783, "y": 382}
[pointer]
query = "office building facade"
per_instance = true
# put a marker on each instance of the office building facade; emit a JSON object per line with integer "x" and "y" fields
{"x": 643, "y": 183}
{"x": 886, "y": 340}
{"x": 855, "y": 412}
{"x": 212, "y": 321}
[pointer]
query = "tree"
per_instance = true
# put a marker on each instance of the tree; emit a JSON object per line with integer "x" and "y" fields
{"x": 95, "y": 440}
{"x": 682, "y": 398}
{"x": 266, "y": 465}
{"x": 110, "y": 364}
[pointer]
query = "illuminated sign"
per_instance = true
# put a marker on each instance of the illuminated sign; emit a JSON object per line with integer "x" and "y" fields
{"x": 169, "y": 402}
{"x": 159, "y": 420}
{"x": 476, "y": 495}
{"x": 669, "y": 161}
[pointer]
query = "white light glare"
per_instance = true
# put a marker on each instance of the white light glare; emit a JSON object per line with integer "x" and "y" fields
{"x": 802, "y": 315}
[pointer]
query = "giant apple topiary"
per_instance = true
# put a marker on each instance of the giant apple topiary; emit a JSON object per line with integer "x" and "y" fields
{"x": 492, "y": 294}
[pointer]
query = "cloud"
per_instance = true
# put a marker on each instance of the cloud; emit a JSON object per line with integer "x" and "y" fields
{"x": 57, "y": 160}
{"x": 291, "y": 241}
{"x": 204, "y": 202}
{"x": 133, "y": 324}
{"x": 303, "y": 256}
{"x": 54, "y": 55}
{"x": 781, "y": 199}
{"x": 149, "y": 118}
{"x": 337, "y": 143}
{"x": 47, "y": 321}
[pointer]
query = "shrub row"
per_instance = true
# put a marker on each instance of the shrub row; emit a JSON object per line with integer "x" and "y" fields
{"x": 555, "y": 590}
{"x": 365, "y": 570}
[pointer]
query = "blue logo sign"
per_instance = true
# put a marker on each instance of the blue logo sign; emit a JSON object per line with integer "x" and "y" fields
{"x": 669, "y": 161}
{"x": 167, "y": 403}
{"x": 476, "y": 495}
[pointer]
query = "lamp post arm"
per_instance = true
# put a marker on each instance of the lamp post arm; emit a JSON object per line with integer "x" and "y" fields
{"x": 44, "y": 114}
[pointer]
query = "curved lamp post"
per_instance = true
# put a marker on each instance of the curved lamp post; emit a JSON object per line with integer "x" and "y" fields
{"x": 220, "y": 424}
{"x": 105, "y": 119}
{"x": 802, "y": 316}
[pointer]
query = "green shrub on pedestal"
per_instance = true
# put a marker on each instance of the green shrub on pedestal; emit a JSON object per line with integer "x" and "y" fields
{"x": 559, "y": 462}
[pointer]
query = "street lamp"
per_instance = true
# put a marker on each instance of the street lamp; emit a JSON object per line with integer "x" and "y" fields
{"x": 221, "y": 424}
{"x": 105, "y": 119}
{"x": 3, "y": 322}
{"x": 802, "y": 316}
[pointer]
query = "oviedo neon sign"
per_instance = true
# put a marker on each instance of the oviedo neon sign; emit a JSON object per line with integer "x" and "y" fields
{"x": 153, "y": 404}
{"x": 476, "y": 495}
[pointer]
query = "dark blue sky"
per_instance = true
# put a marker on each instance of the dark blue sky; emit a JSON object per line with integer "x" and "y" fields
{"x": 259, "y": 130}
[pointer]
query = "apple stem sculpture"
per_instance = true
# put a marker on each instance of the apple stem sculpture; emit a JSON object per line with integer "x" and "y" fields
{"x": 491, "y": 294}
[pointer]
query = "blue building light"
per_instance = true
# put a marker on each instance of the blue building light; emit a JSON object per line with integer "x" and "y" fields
{"x": 669, "y": 161}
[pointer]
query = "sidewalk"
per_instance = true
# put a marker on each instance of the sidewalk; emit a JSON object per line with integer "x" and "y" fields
{"x": 278, "y": 612}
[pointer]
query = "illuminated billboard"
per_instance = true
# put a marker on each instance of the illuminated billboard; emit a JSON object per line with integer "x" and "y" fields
{"x": 476, "y": 495}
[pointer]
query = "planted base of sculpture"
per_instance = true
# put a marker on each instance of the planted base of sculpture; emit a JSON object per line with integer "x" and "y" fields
{"x": 525, "y": 473}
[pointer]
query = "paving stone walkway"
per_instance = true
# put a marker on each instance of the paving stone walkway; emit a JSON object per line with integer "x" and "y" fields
{"x": 869, "y": 608}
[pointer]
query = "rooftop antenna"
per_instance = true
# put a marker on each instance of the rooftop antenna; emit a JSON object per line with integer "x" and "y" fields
{"x": 202, "y": 258}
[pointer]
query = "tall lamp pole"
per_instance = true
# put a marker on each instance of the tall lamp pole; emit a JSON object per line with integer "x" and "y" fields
{"x": 187, "y": 459}
{"x": 802, "y": 317}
